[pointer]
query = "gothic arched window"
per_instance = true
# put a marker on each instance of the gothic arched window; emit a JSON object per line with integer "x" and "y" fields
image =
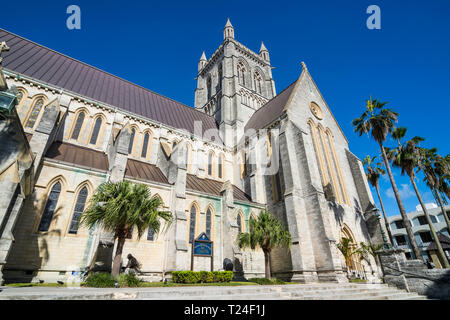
{"x": 151, "y": 234}
{"x": 35, "y": 111}
{"x": 258, "y": 83}
{"x": 79, "y": 208}
{"x": 219, "y": 80}
{"x": 50, "y": 207}
{"x": 210, "y": 163}
{"x": 96, "y": 131}
{"x": 239, "y": 222}
{"x": 78, "y": 125}
{"x": 208, "y": 223}
{"x": 145, "y": 145}
{"x": 241, "y": 73}
{"x": 130, "y": 145}
{"x": 208, "y": 87}
{"x": 192, "y": 218}
{"x": 220, "y": 167}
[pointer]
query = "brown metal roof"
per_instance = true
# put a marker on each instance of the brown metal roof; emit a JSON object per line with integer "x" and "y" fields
{"x": 444, "y": 240}
{"x": 271, "y": 110}
{"x": 213, "y": 187}
{"x": 77, "y": 155}
{"x": 144, "y": 171}
{"x": 33, "y": 60}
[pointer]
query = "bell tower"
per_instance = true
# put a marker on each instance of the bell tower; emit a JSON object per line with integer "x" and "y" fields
{"x": 232, "y": 84}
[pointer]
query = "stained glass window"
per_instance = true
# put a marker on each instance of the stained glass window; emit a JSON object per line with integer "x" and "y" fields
{"x": 239, "y": 223}
{"x": 79, "y": 208}
{"x": 78, "y": 124}
{"x": 220, "y": 165}
{"x": 145, "y": 145}
{"x": 151, "y": 234}
{"x": 97, "y": 126}
{"x": 130, "y": 146}
{"x": 50, "y": 207}
{"x": 208, "y": 223}
{"x": 35, "y": 110}
{"x": 192, "y": 224}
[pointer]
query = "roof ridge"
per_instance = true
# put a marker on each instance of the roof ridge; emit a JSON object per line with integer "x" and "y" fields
{"x": 106, "y": 72}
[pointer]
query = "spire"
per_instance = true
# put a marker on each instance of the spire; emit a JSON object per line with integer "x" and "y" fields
{"x": 202, "y": 62}
{"x": 228, "y": 30}
{"x": 263, "y": 47}
{"x": 264, "y": 53}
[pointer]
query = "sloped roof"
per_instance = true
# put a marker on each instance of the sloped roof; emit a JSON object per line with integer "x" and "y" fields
{"x": 271, "y": 110}
{"x": 444, "y": 240}
{"x": 33, "y": 60}
{"x": 213, "y": 187}
{"x": 144, "y": 171}
{"x": 85, "y": 157}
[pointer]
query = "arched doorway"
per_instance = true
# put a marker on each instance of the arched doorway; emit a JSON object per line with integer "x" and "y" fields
{"x": 351, "y": 258}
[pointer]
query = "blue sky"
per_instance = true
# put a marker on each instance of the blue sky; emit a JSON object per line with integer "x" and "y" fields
{"x": 158, "y": 44}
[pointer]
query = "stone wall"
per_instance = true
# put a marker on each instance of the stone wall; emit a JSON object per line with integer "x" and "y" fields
{"x": 413, "y": 275}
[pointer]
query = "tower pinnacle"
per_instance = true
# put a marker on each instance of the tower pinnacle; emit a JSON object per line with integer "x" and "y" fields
{"x": 202, "y": 62}
{"x": 228, "y": 31}
{"x": 264, "y": 53}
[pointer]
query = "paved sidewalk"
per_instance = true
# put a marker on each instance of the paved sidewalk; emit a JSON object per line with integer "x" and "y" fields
{"x": 318, "y": 291}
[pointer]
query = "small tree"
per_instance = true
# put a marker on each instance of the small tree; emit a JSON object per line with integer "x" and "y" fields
{"x": 348, "y": 250}
{"x": 267, "y": 233}
{"x": 118, "y": 208}
{"x": 371, "y": 249}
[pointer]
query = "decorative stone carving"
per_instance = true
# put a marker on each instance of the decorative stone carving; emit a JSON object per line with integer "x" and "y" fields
{"x": 316, "y": 111}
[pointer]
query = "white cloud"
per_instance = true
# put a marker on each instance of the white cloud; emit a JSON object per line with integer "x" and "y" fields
{"x": 405, "y": 192}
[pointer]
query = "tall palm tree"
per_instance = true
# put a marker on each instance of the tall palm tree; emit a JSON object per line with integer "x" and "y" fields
{"x": 267, "y": 233}
{"x": 437, "y": 172}
{"x": 121, "y": 207}
{"x": 378, "y": 121}
{"x": 374, "y": 172}
{"x": 407, "y": 157}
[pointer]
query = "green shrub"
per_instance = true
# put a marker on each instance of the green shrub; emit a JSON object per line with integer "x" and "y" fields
{"x": 201, "y": 276}
{"x": 265, "y": 281}
{"x": 100, "y": 280}
{"x": 128, "y": 280}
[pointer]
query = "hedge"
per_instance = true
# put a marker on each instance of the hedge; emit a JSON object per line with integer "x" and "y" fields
{"x": 201, "y": 276}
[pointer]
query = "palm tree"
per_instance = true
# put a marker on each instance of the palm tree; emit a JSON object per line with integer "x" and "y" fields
{"x": 437, "y": 172}
{"x": 348, "y": 250}
{"x": 370, "y": 249}
{"x": 267, "y": 233}
{"x": 408, "y": 158}
{"x": 118, "y": 208}
{"x": 374, "y": 172}
{"x": 379, "y": 121}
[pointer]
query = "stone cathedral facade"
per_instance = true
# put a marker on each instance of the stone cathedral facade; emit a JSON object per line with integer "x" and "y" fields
{"x": 242, "y": 149}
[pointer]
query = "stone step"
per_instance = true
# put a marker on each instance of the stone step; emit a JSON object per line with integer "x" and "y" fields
{"x": 245, "y": 296}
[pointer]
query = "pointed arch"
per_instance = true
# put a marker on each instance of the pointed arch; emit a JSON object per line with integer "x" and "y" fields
{"x": 220, "y": 166}
{"x": 37, "y": 106}
{"x": 242, "y": 72}
{"x": 96, "y": 128}
{"x": 211, "y": 161}
{"x": 194, "y": 211}
{"x": 240, "y": 221}
{"x": 22, "y": 96}
{"x": 209, "y": 221}
{"x": 80, "y": 117}
{"x": 147, "y": 140}
{"x": 258, "y": 82}
{"x": 132, "y": 145}
{"x": 55, "y": 188}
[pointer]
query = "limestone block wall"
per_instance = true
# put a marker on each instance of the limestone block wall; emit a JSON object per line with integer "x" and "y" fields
{"x": 36, "y": 255}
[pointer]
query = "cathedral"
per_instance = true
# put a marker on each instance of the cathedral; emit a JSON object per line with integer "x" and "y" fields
{"x": 241, "y": 149}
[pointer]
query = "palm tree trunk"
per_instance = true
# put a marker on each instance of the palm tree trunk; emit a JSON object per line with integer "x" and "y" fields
{"x": 118, "y": 257}
{"x": 447, "y": 220}
{"x": 388, "y": 228}
{"x": 267, "y": 263}
{"x": 441, "y": 253}
{"x": 401, "y": 207}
